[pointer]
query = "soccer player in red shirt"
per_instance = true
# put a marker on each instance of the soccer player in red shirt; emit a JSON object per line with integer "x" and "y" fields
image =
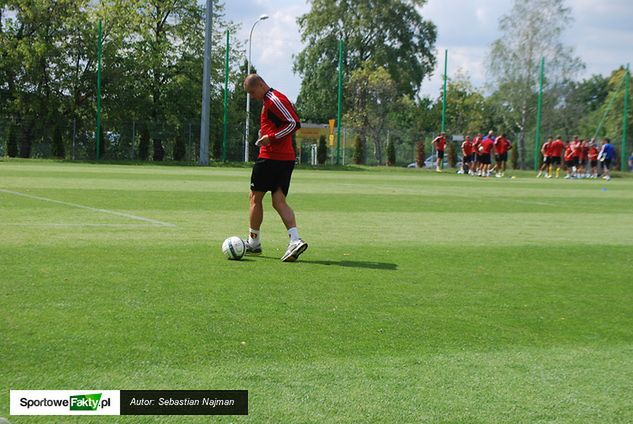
{"x": 273, "y": 168}
{"x": 582, "y": 158}
{"x": 475, "y": 160}
{"x": 556, "y": 149}
{"x": 570, "y": 160}
{"x": 592, "y": 155}
{"x": 576, "y": 152}
{"x": 545, "y": 151}
{"x": 440, "y": 144}
{"x": 485, "y": 149}
{"x": 467, "y": 153}
{"x": 502, "y": 146}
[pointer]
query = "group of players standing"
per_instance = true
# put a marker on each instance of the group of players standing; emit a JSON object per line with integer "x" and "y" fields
{"x": 478, "y": 154}
{"x": 581, "y": 158}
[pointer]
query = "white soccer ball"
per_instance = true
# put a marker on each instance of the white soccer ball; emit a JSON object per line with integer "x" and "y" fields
{"x": 233, "y": 248}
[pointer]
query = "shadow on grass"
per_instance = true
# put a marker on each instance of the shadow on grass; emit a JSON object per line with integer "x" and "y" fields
{"x": 347, "y": 264}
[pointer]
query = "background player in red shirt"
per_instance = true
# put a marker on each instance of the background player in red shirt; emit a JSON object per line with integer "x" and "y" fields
{"x": 485, "y": 148}
{"x": 545, "y": 151}
{"x": 467, "y": 153}
{"x": 475, "y": 160}
{"x": 592, "y": 155}
{"x": 502, "y": 146}
{"x": 273, "y": 169}
{"x": 440, "y": 144}
{"x": 556, "y": 148}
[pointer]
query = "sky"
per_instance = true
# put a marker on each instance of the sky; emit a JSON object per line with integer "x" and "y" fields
{"x": 601, "y": 35}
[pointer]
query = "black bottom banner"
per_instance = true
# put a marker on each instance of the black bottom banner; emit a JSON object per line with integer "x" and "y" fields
{"x": 184, "y": 402}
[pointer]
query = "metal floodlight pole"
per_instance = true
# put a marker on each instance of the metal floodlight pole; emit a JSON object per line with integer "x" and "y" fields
{"x": 444, "y": 94}
{"x": 539, "y": 107}
{"x": 226, "y": 99}
{"x": 625, "y": 119}
{"x": 248, "y": 96}
{"x": 99, "y": 52}
{"x": 206, "y": 89}
{"x": 340, "y": 101}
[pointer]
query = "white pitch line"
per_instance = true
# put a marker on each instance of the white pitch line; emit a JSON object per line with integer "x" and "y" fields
{"x": 76, "y": 205}
{"x": 10, "y": 224}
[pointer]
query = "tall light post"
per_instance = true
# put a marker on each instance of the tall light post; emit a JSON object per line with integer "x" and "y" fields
{"x": 248, "y": 96}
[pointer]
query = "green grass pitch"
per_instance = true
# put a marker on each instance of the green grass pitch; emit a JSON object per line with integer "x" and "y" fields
{"x": 423, "y": 298}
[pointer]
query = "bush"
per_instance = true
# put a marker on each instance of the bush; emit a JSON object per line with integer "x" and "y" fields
{"x": 59, "y": 151}
{"x": 12, "y": 142}
{"x": 143, "y": 145}
{"x": 359, "y": 151}
{"x": 391, "y": 153}
{"x": 419, "y": 154}
{"x": 179, "y": 149}
{"x": 322, "y": 151}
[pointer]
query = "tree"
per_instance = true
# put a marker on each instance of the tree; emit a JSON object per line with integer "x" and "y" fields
{"x": 374, "y": 96}
{"x": 466, "y": 112}
{"x": 530, "y": 31}
{"x": 612, "y": 123}
{"x": 322, "y": 151}
{"x": 390, "y": 33}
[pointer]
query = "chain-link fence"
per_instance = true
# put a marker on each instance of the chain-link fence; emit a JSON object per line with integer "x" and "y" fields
{"x": 133, "y": 140}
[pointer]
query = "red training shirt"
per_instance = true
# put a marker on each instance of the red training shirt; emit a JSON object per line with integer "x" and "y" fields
{"x": 486, "y": 146}
{"x": 557, "y": 147}
{"x": 279, "y": 120}
{"x": 440, "y": 143}
{"x": 502, "y": 145}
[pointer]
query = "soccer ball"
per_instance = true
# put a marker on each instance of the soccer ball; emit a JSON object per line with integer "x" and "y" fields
{"x": 233, "y": 248}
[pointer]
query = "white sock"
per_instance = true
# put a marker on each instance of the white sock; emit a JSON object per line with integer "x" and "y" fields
{"x": 253, "y": 237}
{"x": 293, "y": 233}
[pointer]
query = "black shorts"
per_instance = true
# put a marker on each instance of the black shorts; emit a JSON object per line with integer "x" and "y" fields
{"x": 570, "y": 163}
{"x": 485, "y": 158}
{"x": 440, "y": 154}
{"x": 594, "y": 163}
{"x": 555, "y": 160}
{"x": 474, "y": 157}
{"x": 270, "y": 175}
{"x": 547, "y": 160}
{"x": 466, "y": 159}
{"x": 503, "y": 157}
{"x": 607, "y": 163}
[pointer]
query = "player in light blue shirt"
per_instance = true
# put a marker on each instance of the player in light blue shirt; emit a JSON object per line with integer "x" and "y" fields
{"x": 606, "y": 155}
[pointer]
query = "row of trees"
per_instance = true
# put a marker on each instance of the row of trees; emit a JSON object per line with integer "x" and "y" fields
{"x": 152, "y": 67}
{"x": 151, "y": 78}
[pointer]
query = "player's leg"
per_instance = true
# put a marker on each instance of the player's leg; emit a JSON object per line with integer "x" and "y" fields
{"x": 283, "y": 209}
{"x": 256, "y": 217}
{"x": 296, "y": 246}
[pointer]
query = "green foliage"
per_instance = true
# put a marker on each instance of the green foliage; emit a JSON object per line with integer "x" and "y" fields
{"x": 143, "y": 145}
{"x": 179, "y": 149}
{"x": 12, "y": 141}
{"x": 152, "y": 62}
{"x": 358, "y": 156}
{"x": 390, "y": 33}
{"x": 59, "y": 151}
{"x": 322, "y": 151}
{"x": 374, "y": 96}
{"x": 465, "y": 114}
{"x": 391, "y": 153}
